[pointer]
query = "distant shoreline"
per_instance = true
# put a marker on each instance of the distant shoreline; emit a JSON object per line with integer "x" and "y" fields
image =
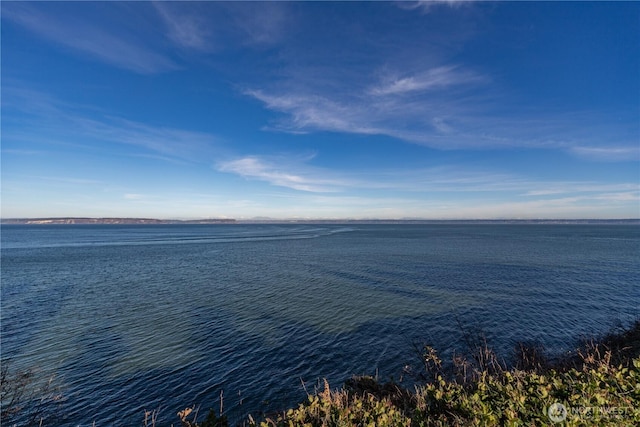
{"x": 152, "y": 221}
{"x": 113, "y": 221}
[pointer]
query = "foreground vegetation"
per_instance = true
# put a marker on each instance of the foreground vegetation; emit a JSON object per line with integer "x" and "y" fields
{"x": 597, "y": 394}
{"x": 597, "y": 384}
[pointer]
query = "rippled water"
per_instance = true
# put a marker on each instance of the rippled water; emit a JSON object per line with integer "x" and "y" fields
{"x": 147, "y": 317}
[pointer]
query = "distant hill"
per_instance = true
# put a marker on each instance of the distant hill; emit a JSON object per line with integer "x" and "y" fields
{"x": 40, "y": 221}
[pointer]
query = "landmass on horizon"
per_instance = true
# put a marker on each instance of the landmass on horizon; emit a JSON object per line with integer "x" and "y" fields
{"x": 82, "y": 220}
{"x": 151, "y": 221}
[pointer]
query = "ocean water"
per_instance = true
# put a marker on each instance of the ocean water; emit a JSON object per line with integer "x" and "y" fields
{"x": 161, "y": 317}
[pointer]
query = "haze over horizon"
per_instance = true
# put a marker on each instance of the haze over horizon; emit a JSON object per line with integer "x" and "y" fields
{"x": 324, "y": 110}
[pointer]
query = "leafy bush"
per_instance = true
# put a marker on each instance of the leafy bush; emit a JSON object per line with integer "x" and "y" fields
{"x": 599, "y": 394}
{"x": 598, "y": 384}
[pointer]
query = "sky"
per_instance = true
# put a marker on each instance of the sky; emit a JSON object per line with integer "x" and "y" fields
{"x": 321, "y": 110}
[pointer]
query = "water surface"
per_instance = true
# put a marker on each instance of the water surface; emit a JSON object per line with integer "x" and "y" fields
{"x": 166, "y": 316}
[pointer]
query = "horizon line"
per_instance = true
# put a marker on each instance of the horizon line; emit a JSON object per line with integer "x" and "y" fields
{"x": 310, "y": 219}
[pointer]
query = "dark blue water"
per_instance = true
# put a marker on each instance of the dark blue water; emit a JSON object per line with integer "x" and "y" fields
{"x": 163, "y": 317}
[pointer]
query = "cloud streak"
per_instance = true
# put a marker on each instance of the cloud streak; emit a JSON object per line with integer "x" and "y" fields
{"x": 410, "y": 108}
{"x": 443, "y": 108}
{"x": 187, "y": 30}
{"x": 89, "y": 39}
{"x": 422, "y": 186}
{"x": 316, "y": 113}
{"x": 426, "y": 6}
{"x": 432, "y": 79}
{"x": 613, "y": 154}
{"x": 216, "y": 26}
{"x": 434, "y": 106}
{"x": 282, "y": 174}
{"x": 53, "y": 120}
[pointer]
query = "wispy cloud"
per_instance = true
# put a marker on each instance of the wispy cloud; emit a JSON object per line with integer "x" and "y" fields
{"x": 551, "y": 188}
{"x": 175, "y": 143}
{"x": 629, "y": 196}
{"x": 312, "y": 113}
{"x": 215, "y": 26}
{"x": 280, "y": 172}
{"x": 631, "y": 152}
{"x": 297, "y": 172}
{"x": 44, "y": 118}
{"x": 412, "y": 108}
{"x": 435, "y": 78}
{"x": 441, "y": 106}
{"x": 186, "y": 26}
{"x": 389, "y": 107}
{"x": 122, "y": 49}
{"x": 424, "y": 185}
{"x": 425, "y": 6}
{"x": 422, "y": 93}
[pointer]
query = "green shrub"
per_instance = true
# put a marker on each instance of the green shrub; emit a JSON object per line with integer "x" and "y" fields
{"x": 599, "y": 395}
{"x": 597, "y": 385}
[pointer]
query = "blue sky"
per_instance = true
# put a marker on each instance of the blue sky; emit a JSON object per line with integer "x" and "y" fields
{"x": 434, "y": 110}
